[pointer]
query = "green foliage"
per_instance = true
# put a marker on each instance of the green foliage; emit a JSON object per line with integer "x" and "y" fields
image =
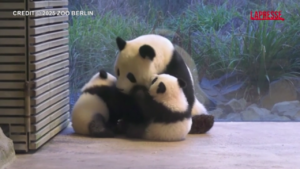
{"x": 262, "y": 51}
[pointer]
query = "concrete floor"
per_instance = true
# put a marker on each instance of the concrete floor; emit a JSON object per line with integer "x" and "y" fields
{"x": 226, "y": 146}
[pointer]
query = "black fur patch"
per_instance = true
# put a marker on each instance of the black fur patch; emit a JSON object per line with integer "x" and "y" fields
{"x": 97, "y": 127}
{"x": 181, "y": 83}
{"x": 161, "y": 88}
{"x": 154, "y": 80}
{"x": 147, "y": 51}
{"x": 103, "y": 74}
{"x": 131, "y": 78}
{"x": 202, "y": 123}
{"x": 121, "y": 43}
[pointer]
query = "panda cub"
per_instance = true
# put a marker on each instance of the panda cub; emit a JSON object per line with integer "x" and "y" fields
{"x": 166, "y": 109}
{"x": 91, "y": 113}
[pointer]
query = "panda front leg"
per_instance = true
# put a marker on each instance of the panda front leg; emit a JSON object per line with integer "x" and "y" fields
{"x": 98, "y": 128}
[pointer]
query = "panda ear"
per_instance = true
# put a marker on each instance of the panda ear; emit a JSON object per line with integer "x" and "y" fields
{"x": 181, "y": 83}
{"x": 147, "y": 51}
{"x": 121, "y": 43}
{"x": 161, "y": 88}
{"x": 103, "y": 74}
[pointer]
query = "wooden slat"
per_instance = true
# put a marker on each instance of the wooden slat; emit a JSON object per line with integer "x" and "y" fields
{"x": 11, "y": 85}
{"x": 12, "y": 76}
{"x": 12, "y": 32}
{"x": 17, "y": 129}
{"x": 48, "y": 20}
{"x": 12, "y": 67}
{"x": 12, "y": 94}
{"x": 49, "y": 69}
{"x": 48, "y": 103}
{"x": 12, "y": 41}
{"x": 38, "y": 117}
{"x": 46, "y": 79}
{"x": 48, "y": 136}
{"x": 48, "y": 28}
{"x": 13, "y": 6}
{"x": 12, "y": 59}
{"x": 12, "y": 103}
{"x": 49, "y": 86}
{"x": 47, "y": 45}
{"x": 38, "y": 100}
{"x": 49, "y": 36}
{"x": 48, "y": 53}
{"x": 48, "y": 61}
{"x": 12, "y": 50}
{"x": 43, "y": 4}
{"x": 59, "y": 114}
{"x": 12, "y": 111}
{"x": 19, "y": 137}
{"x": 20, "y": 147}
{"x": 12, "y": 120}
{"x": 46, "y": 129}
{"x": 13, "y": 23}
{"x": 10, "y": 14}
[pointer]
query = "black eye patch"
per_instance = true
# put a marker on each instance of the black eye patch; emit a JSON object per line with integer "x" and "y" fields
{"x": 118, "y": 72}
{"x": 131, "y": 78}
{"x": 161, "y": 88}
{"x": 154, "y": 80}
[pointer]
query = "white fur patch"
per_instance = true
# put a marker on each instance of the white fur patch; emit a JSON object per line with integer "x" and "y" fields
{"x": 97, "y": 81}
{"x": 129, "y": 60}
{"x": 198, "y": 108}
{"x": 173, "y": 98}
{"x": 168, "y": 132}
{"x": 85, "y": 108}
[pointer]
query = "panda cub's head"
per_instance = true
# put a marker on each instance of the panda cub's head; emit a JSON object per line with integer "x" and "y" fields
{"x": 101, "y": 78}
{"x": 168, "y": 90}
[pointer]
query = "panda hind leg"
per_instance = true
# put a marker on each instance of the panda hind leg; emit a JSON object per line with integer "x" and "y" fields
{"x": 98, "y": 128}
{"x": 202, "y": 123}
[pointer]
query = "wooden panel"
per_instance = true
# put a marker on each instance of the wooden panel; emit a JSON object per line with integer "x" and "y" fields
{"x": 12, "y": 59}
{"x": 43, "y": 4}
{"x": 13, "y": 23}
{"x": 12, "y": 120}
{"x": 48, "y": 20}
{"x": 46, "y": 79}
{"x": 12, "y": 67}
{"x": 17, "y": 129}
{"x": 51, "y": 101}
{"x": 11, "y": 103}
{"x": 12, "y": 41}
{"x": 49, "y": 69}
{"x": 49, "y": 61}
{"x": 12, "y": 111}
{"x": 46, "y": 37}
{"x": 20, "y": 147}
{"x": 47, "y": 45}
{"x": 59, "y": 115}
{"x": 50, "y": 85}
{"x": 12, "y": 76}
{"x": 48, "y": 28}
{"x": 61, "y": 104}
{"x": 12, "y": 32}
{"x": 11, "y": 85}
{"x": 47, "y": 53}
{"x": 38, "y": 135}
{"x": 12, "y": 94}
{"x": 12, "y": 50}
{"x": 10, "y": 14}
{"x": 12, "y": 5}
{"x": 48, "y": 136}
{"x": 19, "y": 137}
{"x": 51, "y": 93}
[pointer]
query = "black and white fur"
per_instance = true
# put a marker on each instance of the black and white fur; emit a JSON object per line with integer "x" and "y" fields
{"x": 92, "y": 114}
{"x": 141, "y": 58}
{"x": 166, "y": 109}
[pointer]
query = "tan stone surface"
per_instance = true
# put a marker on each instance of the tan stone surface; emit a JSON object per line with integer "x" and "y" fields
{"x": 226, "y": 146}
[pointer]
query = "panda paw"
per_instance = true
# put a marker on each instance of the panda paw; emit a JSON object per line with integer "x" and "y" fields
{"x": 201, "y": 123}
{"x": 139, "y": 92}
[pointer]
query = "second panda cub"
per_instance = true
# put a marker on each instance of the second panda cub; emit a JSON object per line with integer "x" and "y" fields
{"x": 165, "y": 108}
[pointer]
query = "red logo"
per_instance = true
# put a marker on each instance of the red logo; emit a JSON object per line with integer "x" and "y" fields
{"x": 266, "y": 15}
